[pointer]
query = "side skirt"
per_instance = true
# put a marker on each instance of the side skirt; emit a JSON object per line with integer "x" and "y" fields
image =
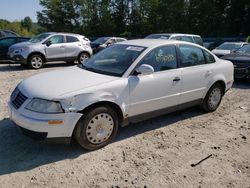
{"x": 156, "y": 113}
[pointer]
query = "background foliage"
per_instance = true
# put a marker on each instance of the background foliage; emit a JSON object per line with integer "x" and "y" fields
{"x": 137, "y": 18}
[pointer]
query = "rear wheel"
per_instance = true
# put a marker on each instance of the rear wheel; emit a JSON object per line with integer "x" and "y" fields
{"x": 36, "y": 62}
{"x": 96, "y": 128}
{"x": 213, "y": 98}
{"x": 83, "y": 57}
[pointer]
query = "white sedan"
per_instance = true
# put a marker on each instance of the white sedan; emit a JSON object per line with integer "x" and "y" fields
{"x": 125, "y": 83}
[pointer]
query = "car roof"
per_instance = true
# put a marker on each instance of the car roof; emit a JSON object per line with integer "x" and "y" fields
{"x": 234, "y": 43}
{"x": 176, "y": 34}
{"x": 15, "y": 37}
{"x": 64, "y": 33}
{"x": 154, "y": 42}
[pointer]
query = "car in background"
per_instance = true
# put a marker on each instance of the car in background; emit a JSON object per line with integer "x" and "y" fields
{"x": 177, "y": 36}
{"x": 241, "y": 61}
{"x": 209, "y": 45}
{"x": 6, "y": 42}
{"x": 52, "y": 46}
{"x": 7, "y": 33}
{"x": 126, "y": 83}
{"x": 103, "y": 42}
{"x": 227, "y": 48}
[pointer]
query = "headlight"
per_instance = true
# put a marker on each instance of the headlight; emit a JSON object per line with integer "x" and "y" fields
{"x": 44, "y": 106}
{"x": 22, "y": 49}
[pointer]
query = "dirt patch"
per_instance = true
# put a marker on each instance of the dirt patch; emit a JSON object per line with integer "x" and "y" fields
{"x": 154, "y": 153}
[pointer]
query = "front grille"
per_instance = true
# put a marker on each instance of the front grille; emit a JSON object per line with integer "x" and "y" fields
{"x": 17, "y": 98}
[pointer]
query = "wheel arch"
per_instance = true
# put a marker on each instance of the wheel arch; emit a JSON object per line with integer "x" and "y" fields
{"x": 110, "y": 104}
{"x": 36, "y": 53}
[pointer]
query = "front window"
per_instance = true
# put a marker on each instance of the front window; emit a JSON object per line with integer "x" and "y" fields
{"x": 39, "y": 38}
{"x": 113, "y": 61}
{"x": 161, "y": 59}
{"x": 228, "y": 46}
{"x": 101, "y": 40}
{"x": 244, "y": 50}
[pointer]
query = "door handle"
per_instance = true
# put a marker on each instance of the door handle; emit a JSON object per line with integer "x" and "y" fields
{"x": 176, "y": 79}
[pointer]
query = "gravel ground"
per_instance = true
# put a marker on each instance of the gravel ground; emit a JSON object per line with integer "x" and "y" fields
{"x": 154, "y": 153}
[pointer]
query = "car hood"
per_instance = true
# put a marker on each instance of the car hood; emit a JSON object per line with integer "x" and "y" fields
{"x": 237, "y": 57}
{"x": 222, "y": 52}
{"x": 54, "y": 84}
{"x": 23, "y": 44}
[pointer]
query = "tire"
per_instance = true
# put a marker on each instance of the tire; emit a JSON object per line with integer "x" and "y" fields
{"x": 96, "y": 128}
{"x": 83, "y": 57}
{"x": 213, "y": 98}
{"x": 36, "y": 62}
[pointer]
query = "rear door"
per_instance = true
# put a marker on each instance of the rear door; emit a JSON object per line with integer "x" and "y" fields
{"x": 72, "y": 46}
{"x": 56, "y": 51}
{"x": 196, "y": 73}
{"x": 160, "y": 90}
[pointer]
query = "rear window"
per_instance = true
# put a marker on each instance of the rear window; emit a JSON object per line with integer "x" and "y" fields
{"x": 71, "y": 39}
{"x": 157, "y": 36}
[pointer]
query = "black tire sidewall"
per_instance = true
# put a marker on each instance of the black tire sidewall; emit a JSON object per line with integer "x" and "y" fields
{"x": 30, "y": 64}
{"x": 80, "y": 132}
{"x": 206, "y": 105}
{"x": 79, "y": 57}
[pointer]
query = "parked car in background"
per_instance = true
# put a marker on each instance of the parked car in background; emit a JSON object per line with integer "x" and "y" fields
{"x": 227, "y": 48}
{"x": 5, "y": 43}
{"x": 177, "y": 36}
{"x": 7, "y": 33}
{"x": 128, "y": 82}
{"x": 103, "y": 42}
{"x": 48, "y": 47}
{"x": 241, "y": 60}
{"x": 209, "y": 45}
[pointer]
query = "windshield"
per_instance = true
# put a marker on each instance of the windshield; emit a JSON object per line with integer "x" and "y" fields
{"x": 157, "y": 36}
{"x": 101, "y": 40}
{"x": 228, "y": 46}
{"x": 39, "y": 38}
{"x": 244, "y": 50}
{"x": 113, "y": 61}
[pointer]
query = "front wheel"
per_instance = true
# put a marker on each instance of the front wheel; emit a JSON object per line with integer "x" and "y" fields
{"x": 36, "y": 62}
{"x": 83, "y": 57}
{"x": 96, "y": 128}
{"x": 213, "y": 98}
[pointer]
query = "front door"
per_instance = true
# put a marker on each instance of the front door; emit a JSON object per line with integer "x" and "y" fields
{"x": 157, "y": 91}
{"x": 56, "y": 50}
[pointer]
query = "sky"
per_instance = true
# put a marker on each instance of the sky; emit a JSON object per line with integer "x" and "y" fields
{"x": 18, "y": 9}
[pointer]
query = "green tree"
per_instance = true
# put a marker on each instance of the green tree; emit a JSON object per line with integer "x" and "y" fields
{"x": 27, "y": 23}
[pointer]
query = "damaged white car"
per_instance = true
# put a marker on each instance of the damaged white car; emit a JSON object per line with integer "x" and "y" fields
{"x": 127, "y": 82}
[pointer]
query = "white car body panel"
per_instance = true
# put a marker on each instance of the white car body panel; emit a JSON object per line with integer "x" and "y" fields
{"x": 76, "y": 89}
{"x": 221, "y": 52}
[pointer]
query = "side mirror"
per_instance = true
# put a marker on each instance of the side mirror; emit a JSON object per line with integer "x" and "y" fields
{"x": 108, "y": 44}
{"x": 48, "y": 43}
{"x": 145, "y": 69}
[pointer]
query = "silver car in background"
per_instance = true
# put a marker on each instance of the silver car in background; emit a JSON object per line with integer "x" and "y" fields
{"x": 48, "y": 47}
